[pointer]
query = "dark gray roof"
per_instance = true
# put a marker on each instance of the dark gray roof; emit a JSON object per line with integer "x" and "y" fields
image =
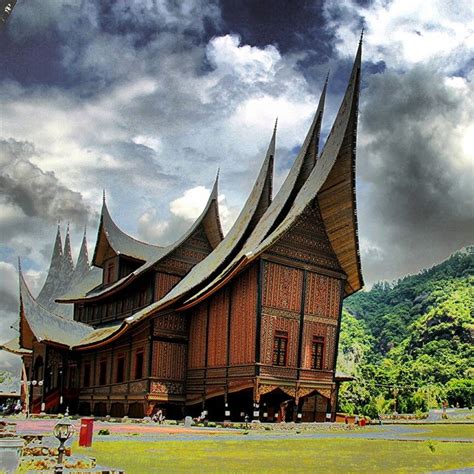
{"x": 344, "y": 126}
{"x": 51, "y": 283}
{"x": 209, "y": 218}
{"x": 255, "y": 206}
{"x": 14, "y": 347}
{"x": 47, "y": 326}
{"x": 299, "y": 172}
{"x": 120, "y": 242}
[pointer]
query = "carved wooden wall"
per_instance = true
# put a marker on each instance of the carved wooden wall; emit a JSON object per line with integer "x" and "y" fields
{"x": 163, "y": 283}
{"x": 322, "y": 295}
{"x": 282, "y": 287}
{"x": 243, "y": 317}
{"x": 217, "y": 332}
{"x": 272, "y": 322}
{"x": 197, "y": 337}
{"x": 169, "y": 360}
{"x": 307, "y": 242}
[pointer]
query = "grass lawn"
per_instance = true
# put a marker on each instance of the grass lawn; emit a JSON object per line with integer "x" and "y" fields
{"x": 445, "y": 431}
{"x": 303, "y": 455}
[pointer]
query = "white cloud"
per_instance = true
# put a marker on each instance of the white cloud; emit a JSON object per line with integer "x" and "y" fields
{"x": 403, "y": 33}
{"x": 248, "y": 63}
{"x": 191, "y": 203}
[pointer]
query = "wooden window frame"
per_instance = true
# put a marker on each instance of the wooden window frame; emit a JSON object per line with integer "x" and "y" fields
{"x": 317, "y": 352}
{"x": 139, "y": 353}
{"x": 87, "y": 374}
{"x": 120, "y": 371}
{"x": 103, "y": 373}
{"x": 280, "y": 348}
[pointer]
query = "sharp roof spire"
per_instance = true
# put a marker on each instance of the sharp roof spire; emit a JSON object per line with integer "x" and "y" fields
{"x": 56, "y": 280}
{"x": 214, "y": 191}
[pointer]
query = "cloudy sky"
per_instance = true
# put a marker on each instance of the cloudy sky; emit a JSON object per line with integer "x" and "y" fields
{"x": 147, "y": 99}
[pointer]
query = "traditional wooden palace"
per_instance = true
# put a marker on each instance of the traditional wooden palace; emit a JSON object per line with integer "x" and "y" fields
{"x": 245, "y": 324}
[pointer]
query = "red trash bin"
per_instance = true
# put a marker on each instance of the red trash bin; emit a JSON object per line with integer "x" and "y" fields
{"x": 85, "y": 435}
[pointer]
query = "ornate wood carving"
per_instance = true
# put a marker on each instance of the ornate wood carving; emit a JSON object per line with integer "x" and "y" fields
{"x": 122, "y": 388}
{"x": 328, "y": 331}
{"x": 138, "y": 387}
{"x": 270, "y": 324}
{"x": 282, "y": 287}
{"x": 163, "y": 284}
{"x": 325, "y": 392}
{"x": 322, "y": 296}
{"x": 284, "y": 313}
{"x": 217, "y": 334}
{"x": 170, "y": 323}
{"x": 264, "y": 388}
{"x": 307, "y": 242}
{"x": 167, "y": 387}
{"x": 169, "y": 360}
{"x": 304, "y": 391}
{"x": 243, "y": 318}
{"x": 197, "y": 337}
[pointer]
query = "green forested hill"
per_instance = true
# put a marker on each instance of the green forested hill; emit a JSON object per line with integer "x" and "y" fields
{"x": 410, "y": 343}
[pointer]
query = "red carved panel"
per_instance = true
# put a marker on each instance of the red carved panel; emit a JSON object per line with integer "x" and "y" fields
{"x": 169, "y": 323}
{"x": 169, "y": 360}
{"x": 197, "y": 337}
{"x": 322, "y": 296}
{"x": 217, "y": 334}
{"x": 243, "y": 317}
{"x": 282, "y": 287}
{"x": 328, "y": 331}
{"x": 270, "y": 324}
{"x": 307, "y": 241}
{"x": 164, "y": 283}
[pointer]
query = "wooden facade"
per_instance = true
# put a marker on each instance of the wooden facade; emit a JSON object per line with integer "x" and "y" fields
{"x": 241, "y": 325}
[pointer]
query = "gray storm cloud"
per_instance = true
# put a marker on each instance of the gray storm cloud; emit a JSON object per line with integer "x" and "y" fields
{"x": 35, "y": 192}
{"x": 416, "y": 192}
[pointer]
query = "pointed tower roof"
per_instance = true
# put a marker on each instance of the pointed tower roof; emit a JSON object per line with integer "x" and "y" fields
{"x": 332, "y": 182}
{"x": 299, "y": 172}
{"x": 45, "y": 325}
{"x": 255, "y": 206}
{"x": 53, "y": 279}
{"x": 68, "y": 264}
{"x": 339, "y": 149}
{"x": 208, "y": 220}
{"x": 111, "y": 240}
{"x": 82, "y": 268}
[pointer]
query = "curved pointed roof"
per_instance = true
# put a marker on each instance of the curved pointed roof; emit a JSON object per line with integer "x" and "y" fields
{"x": 255, "y": 206}
{"x": 336, "y": 164}
{"x": 67, "y": 265}
{"x": 299, "y": 172}
{"x": 46, "y": 325}
{"x": 208, "y": 220}
{"x": 110, "y": 236}
{"x": 58, "y": 278}
{"x": 82, "y": 264}
{"x": 338, "y": 151}
{"x": 54, "y": 273}
{"x": 332, "y": 182}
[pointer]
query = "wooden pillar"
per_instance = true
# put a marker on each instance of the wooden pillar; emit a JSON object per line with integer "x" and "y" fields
{"x": 258, "y": 324}
{"x": 206, "y": 350}
{"x": 227, "y": 408}
{"x": 301, "y": 326}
